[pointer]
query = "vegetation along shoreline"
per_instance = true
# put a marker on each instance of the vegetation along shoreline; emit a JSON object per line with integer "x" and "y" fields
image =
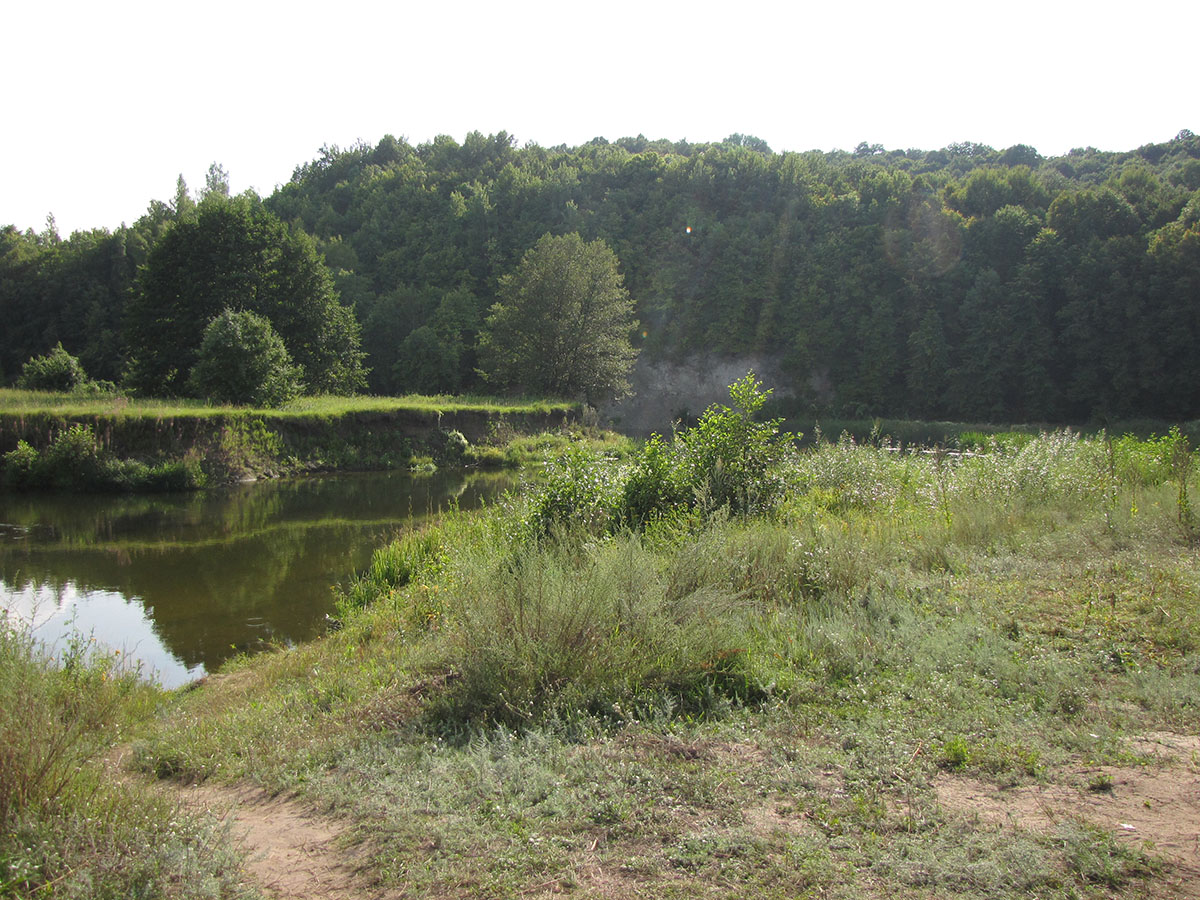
{"x": 719, "y": 665}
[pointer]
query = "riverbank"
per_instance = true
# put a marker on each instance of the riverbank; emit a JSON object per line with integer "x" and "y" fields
{"x": 890, "y": 674}
{"x": 115, "y": 443}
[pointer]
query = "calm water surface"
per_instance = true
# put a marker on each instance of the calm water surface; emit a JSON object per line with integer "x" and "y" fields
{"x": 181, "y": 582}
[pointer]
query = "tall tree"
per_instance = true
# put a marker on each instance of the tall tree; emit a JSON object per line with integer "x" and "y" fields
{"x": 235, "y": 255}
{"x": 563, "y": 323}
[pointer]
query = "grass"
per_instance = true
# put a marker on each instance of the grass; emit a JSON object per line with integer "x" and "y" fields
{"x": 22, "y": 402}
{"x": 713, "y": 705}
{"x": 148, "y": 444}
{"x": 68, "y": 828}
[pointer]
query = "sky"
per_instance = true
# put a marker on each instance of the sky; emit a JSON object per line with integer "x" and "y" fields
{"x": 107, "y": 102}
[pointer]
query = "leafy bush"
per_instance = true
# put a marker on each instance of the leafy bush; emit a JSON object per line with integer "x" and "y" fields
{"x": 58, "y": 370}
{"x": 580, "y": 491}
{"x": 21, "y": 466}
{"x": 243, "y": 360}
{"x": 655, "y": 485}
{"x": 75, "y": 461}
{"x": 451, "y": 446}
{"x": 728, "y": 457}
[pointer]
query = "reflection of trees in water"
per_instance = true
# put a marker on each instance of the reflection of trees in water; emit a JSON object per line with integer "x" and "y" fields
{"x": 216, "y": 572}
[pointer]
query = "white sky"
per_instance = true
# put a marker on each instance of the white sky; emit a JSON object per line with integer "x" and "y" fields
{"x": 108, "y": 101}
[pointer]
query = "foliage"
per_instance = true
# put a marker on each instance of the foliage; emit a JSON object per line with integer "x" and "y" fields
{"x": 562, "y": 323}
{"x": 243, "y": 361}
{"x": 966, "y": 281}
{"x": 579, "y": 491}
{"x": 67, "y": 828}
{"x": 58, "y": 370}
{"x": 726, "y": 461}
{"x": 75, "y": 461}
{"x": 730, "y": 460}
{"x": 655, "y": 484}
{"x": 773, "y": 701}
{"x": 235, "y": 255}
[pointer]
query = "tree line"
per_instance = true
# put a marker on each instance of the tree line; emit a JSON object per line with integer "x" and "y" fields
{"x": 963, "y": 282}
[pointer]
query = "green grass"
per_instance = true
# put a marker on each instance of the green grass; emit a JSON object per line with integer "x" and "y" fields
{"x": 963, "y": 435}
{"x": 68, "y": 828}
{"x": 180, "y": 444}
{"x": 24, "y": 402}
{"x": 717, "y": 705}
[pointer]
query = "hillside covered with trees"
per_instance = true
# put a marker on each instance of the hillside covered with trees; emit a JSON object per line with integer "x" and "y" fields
{"x": 964, "y": 282}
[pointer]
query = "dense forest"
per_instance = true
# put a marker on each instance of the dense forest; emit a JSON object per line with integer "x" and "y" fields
{"x": 964, "y": 282}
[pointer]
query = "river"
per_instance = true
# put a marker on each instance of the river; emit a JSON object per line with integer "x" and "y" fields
{"x": 179, "y": 583}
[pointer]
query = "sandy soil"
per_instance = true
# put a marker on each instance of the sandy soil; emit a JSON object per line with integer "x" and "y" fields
{"x": 293, "y": 853}
{"x": 1155, "y": 807}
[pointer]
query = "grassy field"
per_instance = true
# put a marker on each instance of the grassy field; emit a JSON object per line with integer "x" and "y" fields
{"x": 866, "y": 674}
{"x": 69, "y": 404}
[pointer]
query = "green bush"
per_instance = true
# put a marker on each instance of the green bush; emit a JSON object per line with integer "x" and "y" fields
{"x": 655, "y": 485}
{"x": 58, "y": 370}
{"x": 21, "y": 467}
{"x": 242, "y": 360}
{"x": 75, "y": 461}
{"x": 580, "y": 491}
{"x": 728, "y": 458}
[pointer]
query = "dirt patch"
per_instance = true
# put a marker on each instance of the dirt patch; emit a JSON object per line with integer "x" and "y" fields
{"x": 293, "y": 853}
{"x": 1155, "y": 807}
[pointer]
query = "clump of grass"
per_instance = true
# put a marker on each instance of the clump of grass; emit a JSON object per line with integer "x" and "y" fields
{"x": 66, "y": 828}
{"x": 548, "y": 630}
{"x": 1094, "y": 855}
{"x": 417, "y": 554}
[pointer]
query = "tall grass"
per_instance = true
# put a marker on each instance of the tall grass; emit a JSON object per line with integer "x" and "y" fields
{"x": 553, "y": 686}
{"x": 67, "y": 829}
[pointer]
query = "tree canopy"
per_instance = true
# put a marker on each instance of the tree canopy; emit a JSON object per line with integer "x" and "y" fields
{"x": 242, "y": 360}
{"x": 235, "y": 255}
{"x": 562, "y": 324}
{"x": 963, "y": 282}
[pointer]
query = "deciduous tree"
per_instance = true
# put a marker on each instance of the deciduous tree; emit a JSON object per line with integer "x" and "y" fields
{"x": 563, "y": 323}
{"x": 235, "y": 255}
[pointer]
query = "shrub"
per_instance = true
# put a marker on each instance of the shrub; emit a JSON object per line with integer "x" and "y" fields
{"x": 451, "y": 446}
{"x": 58, "y": 370}
{"x": 243, "y": 360}
{"x": 21, "y": 466}
{"x": 73, "y": 460}
{"x": 579, "y": 491}
{"x": 727, "y": 458}
{"x": 655, "y": 485}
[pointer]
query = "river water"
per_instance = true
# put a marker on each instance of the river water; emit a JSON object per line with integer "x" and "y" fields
{"x": 178, "y": 583}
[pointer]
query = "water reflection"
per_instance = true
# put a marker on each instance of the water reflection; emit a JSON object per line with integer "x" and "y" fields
{"x": 182, "y": 582}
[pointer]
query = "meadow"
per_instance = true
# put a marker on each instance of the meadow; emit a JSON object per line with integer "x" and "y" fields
{"x": 717, "y": 667}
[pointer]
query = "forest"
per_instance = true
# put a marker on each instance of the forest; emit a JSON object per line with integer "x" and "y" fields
{"x": 965, "y": 282}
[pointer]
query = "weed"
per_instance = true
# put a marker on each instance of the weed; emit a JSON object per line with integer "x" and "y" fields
{"x": 955, "y": 753}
